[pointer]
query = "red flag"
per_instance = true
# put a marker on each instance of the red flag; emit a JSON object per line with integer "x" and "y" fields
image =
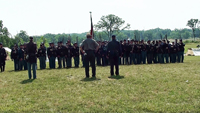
{"x": 91, "y": 31}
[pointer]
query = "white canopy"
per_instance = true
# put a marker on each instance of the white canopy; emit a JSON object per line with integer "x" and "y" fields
{"x": 7, "y": 49}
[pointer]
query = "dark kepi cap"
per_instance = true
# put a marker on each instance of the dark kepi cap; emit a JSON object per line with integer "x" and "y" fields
{"x": 113, "y": 36}
{"x": 1, "y": 43}
{"x": 180, "y": 39}
{"x": 31, "y": 37}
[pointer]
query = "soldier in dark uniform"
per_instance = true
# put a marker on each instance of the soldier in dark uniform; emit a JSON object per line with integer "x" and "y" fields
{"x": 76, "y": 55}
{"x": 143, "y": 52}
{"x": 42, "y": 56}
{"x": 114, "y": 51}
{"x": 3, "y": 56}
{"x": 155, "y": 51}
{"x": 128, "y": 50}
{"x": 150, "y": 51}
{"x": 177, "y": 46}
{"x": 131, "y": 52}
{"x": 61, "y": 54}
{"x": 120, "y": 58}
{"x": 82, "y": 58}
{"x": 31, "y": 58}
{"x": 98, "y": 55}
{"x": 69, "y": 53}
{"x": 14, "y": 56}
{"x": 181, "y": 51}
{"x": 21, "y": 57}
{"x": 165, "y": 51}
{"x": 173, "y": 51}
{"x": 160, "y": 52}
{"x": 124, "y": 52}
{"x": 51, "y": 52}
{"x": 90, "y": 47}
{"x": 138, "y": 52}
{"x": 25, "y": 54}
{"x": 103, "y": 53}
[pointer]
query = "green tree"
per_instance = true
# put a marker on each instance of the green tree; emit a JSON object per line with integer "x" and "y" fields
{"x": 192, "y": 23}
{"x": 110, "y": 24}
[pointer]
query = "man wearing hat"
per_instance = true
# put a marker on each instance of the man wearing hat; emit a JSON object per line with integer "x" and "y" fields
{"x": 51, "y": 53}
{"x": 61, "y": 54}
{"x": 114, "y": 52}
{"x": 41, "y": 54}
{"x": 3, "y": 56}
{"x": 21, "y": 57}
{"x": 90, "y": 47}
{"x": 31, "y": 58}
{"x": 76, "y": 55}
{"x": 69, "y": 53}
{"x": 14, "y": 56}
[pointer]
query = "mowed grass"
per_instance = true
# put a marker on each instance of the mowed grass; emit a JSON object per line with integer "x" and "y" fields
{"x": 140, "y": 88}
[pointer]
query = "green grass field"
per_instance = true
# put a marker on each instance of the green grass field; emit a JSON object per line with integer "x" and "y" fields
{"x": 140, "y": 88}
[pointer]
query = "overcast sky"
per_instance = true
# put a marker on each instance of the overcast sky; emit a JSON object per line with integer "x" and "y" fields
{"x": 39, "y": 17}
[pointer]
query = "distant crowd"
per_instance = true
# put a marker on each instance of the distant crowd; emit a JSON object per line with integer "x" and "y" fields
{"x": 133, "y": 52}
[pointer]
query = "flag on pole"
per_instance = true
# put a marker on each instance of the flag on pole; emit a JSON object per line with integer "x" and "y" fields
{"x": 91, "y": 31}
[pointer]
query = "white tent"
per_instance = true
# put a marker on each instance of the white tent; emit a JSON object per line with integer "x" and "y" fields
{"x": 7, "y": 49}
{"x": 196, "y": 51}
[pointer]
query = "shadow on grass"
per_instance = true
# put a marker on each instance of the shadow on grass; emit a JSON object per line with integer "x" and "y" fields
{"x": 116, "y": 77}
{"x": 90, "y": 79}
{"x": 27, "y": 81}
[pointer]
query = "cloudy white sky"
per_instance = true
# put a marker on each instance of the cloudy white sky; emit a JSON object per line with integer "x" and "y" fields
{"x": 38, "y": 17}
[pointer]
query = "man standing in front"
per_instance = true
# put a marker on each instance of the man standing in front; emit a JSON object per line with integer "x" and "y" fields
{"x": 3, "y": 56}
{"x": 31, "y": 58}
{"x": 114, "y": 51}
{"x": 90, "y": 47}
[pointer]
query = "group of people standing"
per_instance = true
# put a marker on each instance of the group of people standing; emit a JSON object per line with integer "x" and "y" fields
{"x": 140, "y": 52}
{"x": 100, "y": 53}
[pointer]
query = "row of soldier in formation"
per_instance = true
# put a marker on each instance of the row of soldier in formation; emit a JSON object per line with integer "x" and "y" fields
{"x": 133, "y": 52}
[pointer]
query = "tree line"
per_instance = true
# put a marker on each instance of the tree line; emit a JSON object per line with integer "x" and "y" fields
{"x": 107, "y": 26}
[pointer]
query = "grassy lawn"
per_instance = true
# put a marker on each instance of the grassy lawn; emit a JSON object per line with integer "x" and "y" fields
{"x": 140, "y": 88}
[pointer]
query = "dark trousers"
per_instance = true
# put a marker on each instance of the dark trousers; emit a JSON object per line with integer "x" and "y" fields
{"x": 16, "y": 64}
{"x": 52, "y": 64}
{"x": 120, "y": 60}
{"x": 42, "y": 62}
{"x": 21, "y": 64}
{"x": 98, "y": 60}
{"x": 160, "y": 58}
{"x": 103, "y": 60}
{"x": 76, "y": 61}
{"x": 149, "y": 58}
{"x": 138, "y": 58}
{"x": 90, "y": 58}
{"x": 181, "y": 56}
{"x": 25, "y": 65}
{"x": 173, "y": 57}
{"x": 166, "y": 57}
{"x": 69, "y": 62}
{"x": 144, "y": 56}
{"x": 155, "y": 58}
{"x": 2, "y": 68}
{"x": 114, "y": 62}
{"x": 83, "y": 61}
{"x": 61, "y": 60}
{"x": 29, "y": 70}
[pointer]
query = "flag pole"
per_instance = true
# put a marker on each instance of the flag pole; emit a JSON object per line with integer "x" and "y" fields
{"x": 91, "y": 31}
